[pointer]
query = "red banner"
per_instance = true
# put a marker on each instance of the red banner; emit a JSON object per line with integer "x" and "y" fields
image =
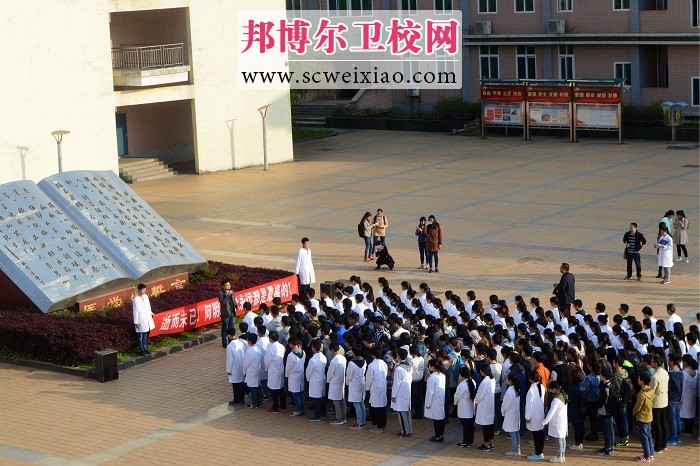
{"x": 548, "y": 93}
{"x": 283, "y": 288}
{"x": 505, "y": 93}
{"x": 597, "y": 94}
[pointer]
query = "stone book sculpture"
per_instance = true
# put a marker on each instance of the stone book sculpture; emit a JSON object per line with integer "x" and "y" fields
{"x": 84, "y": 233}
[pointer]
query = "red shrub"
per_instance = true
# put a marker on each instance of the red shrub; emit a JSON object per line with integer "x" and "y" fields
{"x": 71, "y": 340}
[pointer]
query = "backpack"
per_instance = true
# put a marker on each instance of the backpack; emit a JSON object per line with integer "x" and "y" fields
{"x": 592, "y": 389}
{"x": 626, "y": 392}
{"x": 361, "y": 229}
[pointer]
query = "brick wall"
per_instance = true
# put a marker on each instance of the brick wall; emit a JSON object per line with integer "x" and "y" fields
{"x": 675, "y": 19}
{"x": 593, "y": 16}
{"x": 163, "y": 125}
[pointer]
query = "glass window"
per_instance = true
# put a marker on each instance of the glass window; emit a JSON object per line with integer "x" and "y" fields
{"x": 443, "y": 6}
{"x": 621, "y": 4}
{"x": 565, "y": 5}
{"x": 566, "y": 62}
{"x": 524, "y": 6}
{"x": 526, "y": 62}
{"x": 488, "y": 60}
{"x": 348, "y": 7}
{"x": 487, "y": 6}
{"x": 695, "y": 13}
{"x": 623, "y": 70}
{"x": 294, "y": 5}
{"x": 695, "y": 91}
{"x": 409, "y": 6}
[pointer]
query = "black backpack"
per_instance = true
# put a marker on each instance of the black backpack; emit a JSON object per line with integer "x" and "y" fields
{"x": 361, "y": 229}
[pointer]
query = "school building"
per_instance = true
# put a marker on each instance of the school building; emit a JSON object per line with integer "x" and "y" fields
{"x": 131, "y": 78}
{"x": 652, "y": 44}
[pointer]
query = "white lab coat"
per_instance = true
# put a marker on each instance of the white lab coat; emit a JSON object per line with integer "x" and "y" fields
{"x": 274, "y": 364}
{"x": 252, "y": 362}
{"x": 690, "y": 394}
{"x": 235, "y": 351}
{"x": 375, "y": 383}
{"x": 463, "y": 400}
{"x": 534, "y": 408}
{"x": 316, "y": 375}
{"x": 248, "y": 318}
{"x": 557, "y": 419}
{"x": 294, "y": 371}
{"x": 435, "y": 397}
{"x": 665, "y": 255}
{"x": 263, "y": 343}
{"x": 336, "y": 378}
{"x": 305, "y": 267}
{"x": 143, "y": 316}
{"x": 510, "y": 410}
{"x": 355, "y": 380}
{"x": 484, "y": 402}
{"x": 401, "y": 388}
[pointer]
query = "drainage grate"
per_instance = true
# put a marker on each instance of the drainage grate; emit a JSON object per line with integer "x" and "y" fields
{"x": 325, "y": 149}
{"x": 691, "y": 166}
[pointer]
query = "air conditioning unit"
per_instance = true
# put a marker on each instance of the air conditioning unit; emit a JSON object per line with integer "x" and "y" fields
{"x": 556, "y": 26}
{"x": 483, "y": 28}
{"x": 413, "y": 92}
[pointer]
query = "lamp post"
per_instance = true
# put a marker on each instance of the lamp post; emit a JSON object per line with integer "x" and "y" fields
{"x": 22, "y": 152}
{"x": 263, "y": 114}
{"x": 231, "y": 125}
{"x": 58, "y": 136}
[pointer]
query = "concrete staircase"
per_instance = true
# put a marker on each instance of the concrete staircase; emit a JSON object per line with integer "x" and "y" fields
{"x": 136, "y": 169}
{"x": 313, "y": 114}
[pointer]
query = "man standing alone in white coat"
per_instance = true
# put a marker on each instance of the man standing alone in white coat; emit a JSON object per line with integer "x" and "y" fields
{"x": 143, "y": 318}
{"x": 304, "y": 268}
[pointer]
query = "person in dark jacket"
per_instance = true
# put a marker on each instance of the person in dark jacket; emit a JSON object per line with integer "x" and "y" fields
{"x": 517, "y": 369}
{"x": 576, "y": 408}
{"x": 565, "y": 290}
{"x": 634, "y": 242}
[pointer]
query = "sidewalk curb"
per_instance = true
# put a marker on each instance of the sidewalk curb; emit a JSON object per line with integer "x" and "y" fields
{"x": 90, "y": 373}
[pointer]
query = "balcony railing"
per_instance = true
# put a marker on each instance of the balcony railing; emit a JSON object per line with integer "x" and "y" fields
{"x": 148, "y": 56}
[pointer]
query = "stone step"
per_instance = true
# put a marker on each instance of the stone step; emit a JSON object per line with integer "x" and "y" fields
{"x": 147, "y": 171}
{"x": 129, "y": 162}
{"x": 316, "y": 123}
{"x": 138, "y": 179}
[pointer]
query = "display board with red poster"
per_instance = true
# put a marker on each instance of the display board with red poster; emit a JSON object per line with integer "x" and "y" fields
{"x": 503, "y": 106}
{"x": 548, "y": 107}
{"x": 598, "y": 108}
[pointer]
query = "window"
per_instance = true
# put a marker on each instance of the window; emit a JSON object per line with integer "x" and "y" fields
{"x": 443, "y": 6}
{"x": 487, "y": 6}
{"x": 695, "y": 91}
{"x": 623, "y": 70}
{"x": 565, "y": 5}
{"x": 525, "y": 60}
{"x": 294, "y": 5}
{"x": 695, "y": 13}
{"x": 410, "y": 67}
{"x": 349, "y": 7}
{"x": 488, "y": 59}
{"x": 566, "y": 62}
{"x": 445, "y": 63}
{"x": 621, "y": 5}
{"x": 524, "y": 6}
{"x": 409, "y": 6}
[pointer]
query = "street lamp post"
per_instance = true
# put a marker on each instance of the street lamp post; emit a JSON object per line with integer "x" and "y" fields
{"x": 58, "y": 136}
{"x": 22, "y": 152}
{"x": 231, "y": 125}
{"x": 263, "y": 114}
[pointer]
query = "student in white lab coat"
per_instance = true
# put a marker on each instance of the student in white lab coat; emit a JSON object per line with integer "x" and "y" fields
{"x": 274, "y": 365}
{"x": 435, "y": 399}
{"x": 484, "y": 404}
{"x": 464, "y": 399}
{"x": 534, "y": 414}
{"x": 375, "y": 384}
{"x": 558, "y": 420}
{"x": 336, "y": 384}
{"x": 143, "y": 318}
{"x": 510, "y": 409}
{"x": 355, "y": 380}
{"x": 316, "y": 376}
{"x": 304, "y": 267}
{"x": 263, "y": 344}
{"x": 252, "y": 362}
{"x": 294, "y": 371}
{"x": 235, "y": 351}
{"x": 401, "y": 393}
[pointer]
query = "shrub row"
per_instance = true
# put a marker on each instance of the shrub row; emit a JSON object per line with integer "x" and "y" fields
{"x": 71, "y": 339}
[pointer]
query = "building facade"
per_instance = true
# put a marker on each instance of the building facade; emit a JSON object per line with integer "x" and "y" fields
{"x": 652, "y": 44}
{"x": 149, "y": 78}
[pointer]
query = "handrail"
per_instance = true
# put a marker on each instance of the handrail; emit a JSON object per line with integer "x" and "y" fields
{"x": 148, "y": 56}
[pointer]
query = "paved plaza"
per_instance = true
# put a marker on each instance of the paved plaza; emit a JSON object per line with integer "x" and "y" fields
{"x": 511, "y": 212}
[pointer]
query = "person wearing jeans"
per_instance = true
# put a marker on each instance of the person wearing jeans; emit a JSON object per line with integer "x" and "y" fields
{"x": 634, "y": 241}
{"x": 605, "y": 413}
{"x": 643, "y": 414}
{"x": 421, "y": 242}
{"x": 433, "y": 242}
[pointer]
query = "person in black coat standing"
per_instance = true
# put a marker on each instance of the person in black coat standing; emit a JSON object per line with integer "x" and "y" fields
{"x": 634, "y": 242}
{"x": 565, "y": 290}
